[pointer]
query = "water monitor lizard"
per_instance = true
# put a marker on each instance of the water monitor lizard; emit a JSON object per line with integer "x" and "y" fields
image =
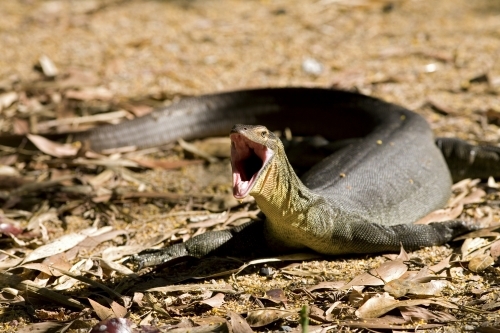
{"x": 363, "y": 198}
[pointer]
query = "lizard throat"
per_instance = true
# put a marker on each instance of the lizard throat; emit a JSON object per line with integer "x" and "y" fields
{"x": 249, "y": 160}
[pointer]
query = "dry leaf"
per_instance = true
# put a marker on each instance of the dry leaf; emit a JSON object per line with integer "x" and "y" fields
{"x": 215, "y": 301}
{"x": 53, "y": 148}
{"x": 492, "y": 183}
{"x": 11, "y": 296}
{"x": 138, "y": 110}
{"x": 416, "y": 283}
{"x": 114, "y": 266}
{"x": 277, "y": 295}
{"x": 381, "y": 304}
{"x": 263, "y": 317}
{"x": 403, "y": 255}
{"x": 7, "y": 99}
{"x": 495, "y": 250}
{"x": 476, "y": 196}
{"x": 386, "y": 272}
{"x": 443, "y": 264}
{"x": 238, "y": 323}
{"x": 410, "y": 313}
{"x": 101, "y": 311}
{"x": 471, "y": 245}
{"x": 318, "y": 314}
{"x": 56, "y": 261}
{"x": 441, "y": 107}
{"x": 327, "y": 285}
{"x": 207, "y": 325}
{"x": 490, "y": 306}
{"x": 42, "y": 268}
{"x": 101, "y": 178}
{"x": 118, "y": 310}
{"x": 59, "y": 245}
{"x": 483, "y": 232}
{"x": 377, "y": 306}
{"x": 398, "y": 288}
{"x": 480, "y": 263}
{"x": 442, "y": 215}
{"x": 90, "y": 242}
{"x": 21, "y": 126}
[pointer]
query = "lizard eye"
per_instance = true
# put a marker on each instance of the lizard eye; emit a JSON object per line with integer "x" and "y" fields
{"x": 264, "y": 134}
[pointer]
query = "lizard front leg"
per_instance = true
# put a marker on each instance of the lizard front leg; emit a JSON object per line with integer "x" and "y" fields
{"x": 247, "y": 240}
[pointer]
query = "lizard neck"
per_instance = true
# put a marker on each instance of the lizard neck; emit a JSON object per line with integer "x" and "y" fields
{"x": 281, "y": 195}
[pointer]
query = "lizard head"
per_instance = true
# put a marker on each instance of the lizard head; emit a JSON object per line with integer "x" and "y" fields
{"x": 253, "y": 149}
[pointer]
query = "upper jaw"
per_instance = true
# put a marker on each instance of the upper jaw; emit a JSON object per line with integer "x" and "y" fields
{"x": 248, "y": 162}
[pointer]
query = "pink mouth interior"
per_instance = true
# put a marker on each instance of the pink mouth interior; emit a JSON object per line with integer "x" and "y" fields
{"x": 247, "y": 159}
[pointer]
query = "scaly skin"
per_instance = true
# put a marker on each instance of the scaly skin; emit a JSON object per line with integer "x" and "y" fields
{"x": 298, "y": 218}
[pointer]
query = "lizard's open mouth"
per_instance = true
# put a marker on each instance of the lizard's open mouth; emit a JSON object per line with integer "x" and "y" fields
{"x": 248, "y": 159}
